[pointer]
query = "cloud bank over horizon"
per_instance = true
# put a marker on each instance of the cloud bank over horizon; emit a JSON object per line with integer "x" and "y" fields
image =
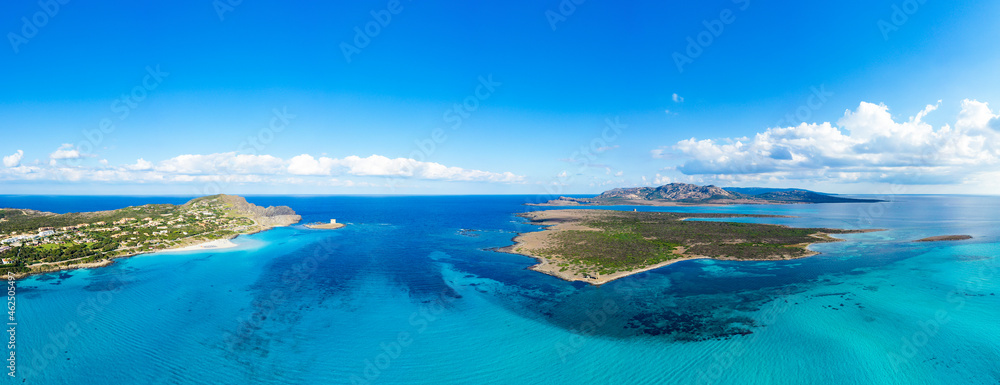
{"x": 865, "y": 145}
{"x": 64, "y": 166}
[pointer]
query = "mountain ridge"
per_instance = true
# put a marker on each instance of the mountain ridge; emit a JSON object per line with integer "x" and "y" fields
{"x": 685, "y": 193}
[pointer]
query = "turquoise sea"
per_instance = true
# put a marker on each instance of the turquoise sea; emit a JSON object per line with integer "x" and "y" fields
{"x": 410, "y": 293}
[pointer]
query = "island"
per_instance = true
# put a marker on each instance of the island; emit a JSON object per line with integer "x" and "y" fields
{"x": 599, "y": 246}
{"x": 332, "y": 225}
{"x": 679, "y": 194}
{"x": 945, "y": 238}
{"x": 34, "y": 242}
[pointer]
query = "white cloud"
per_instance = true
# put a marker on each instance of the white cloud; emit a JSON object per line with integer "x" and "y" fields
{"x": 305, "y": 164}
{"x": 377, "y": 165}
{"x": 222, "y": 163}
{"x": 14, "y": 159}
{"x": 242, "y": 168}
{"x": 66, "y": 151}
{"x": 677, "y": 98}
{"x": 866, "y": 144}
{"x": 140, "y": 165}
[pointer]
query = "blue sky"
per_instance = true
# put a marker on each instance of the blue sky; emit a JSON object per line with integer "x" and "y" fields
{"x": 548, "y": 97}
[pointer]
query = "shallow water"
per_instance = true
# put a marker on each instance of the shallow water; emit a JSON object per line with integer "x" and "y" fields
{"x": 403, "y": 295}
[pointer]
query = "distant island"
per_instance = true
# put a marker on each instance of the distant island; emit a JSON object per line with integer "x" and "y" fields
{"x": 36, "y": 242}
{"x": 675, "y": 194}
{"x": 945, "y": 238}
{"x": 598, "y": 246}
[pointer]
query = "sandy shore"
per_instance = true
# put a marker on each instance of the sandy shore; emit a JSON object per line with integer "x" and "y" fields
{"x": 325, "y": 226}
{"x": 48, "y": 267}
{"x": 551, "y": 267}
{"x": 565, "y": 220}
{"x": 557, "y": 221}
{"x": 210, "y": 245}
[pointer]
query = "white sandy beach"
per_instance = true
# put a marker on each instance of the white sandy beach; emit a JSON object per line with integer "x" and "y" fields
{"x": 211, "y": 245}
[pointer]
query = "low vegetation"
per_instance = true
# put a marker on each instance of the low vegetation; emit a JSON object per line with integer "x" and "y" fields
{"x": 34, "y": 241}
{"x": 605, "y": 242}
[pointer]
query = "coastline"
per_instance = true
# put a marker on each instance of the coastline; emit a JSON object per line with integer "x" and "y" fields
{"x": 637, "y": 202}
{"x": 203, "y": 245}
{"x": 62, "y": 265}
{"x": 547, "y": 266}
{"x": 221, "y": 215}
{"x": 526, "y": 243}
{"x": 59, "y": 267}
{"x": 659, "y": 203}
{"x": 224, "y": 243}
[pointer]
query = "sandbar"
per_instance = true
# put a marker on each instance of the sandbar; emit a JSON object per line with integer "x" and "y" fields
{"x": 945, "y": 238}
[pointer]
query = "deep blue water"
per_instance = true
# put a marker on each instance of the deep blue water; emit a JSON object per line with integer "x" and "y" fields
{"x": 403, "y": 295}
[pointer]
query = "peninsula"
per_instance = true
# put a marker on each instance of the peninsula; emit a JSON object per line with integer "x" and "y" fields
{"x": 36, "y": 242}
{"x": 678, "y": 194}
{"x": 598, "y": 246}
